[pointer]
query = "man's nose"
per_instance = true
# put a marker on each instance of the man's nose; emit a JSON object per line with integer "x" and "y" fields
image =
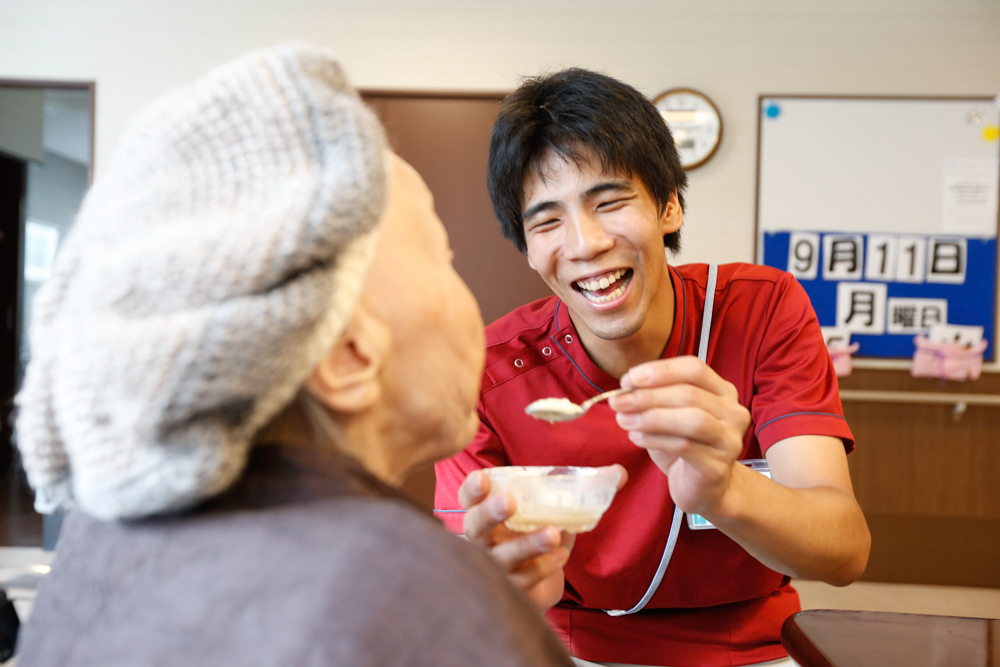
{"x": 586, "y": 238}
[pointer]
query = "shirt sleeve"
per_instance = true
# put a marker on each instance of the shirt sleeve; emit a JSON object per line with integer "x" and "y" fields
{"x": 796, "y": 390}
{"x": 485, "y": 451}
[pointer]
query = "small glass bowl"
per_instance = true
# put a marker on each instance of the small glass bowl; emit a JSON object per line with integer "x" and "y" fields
{"x": 572, "y": 499}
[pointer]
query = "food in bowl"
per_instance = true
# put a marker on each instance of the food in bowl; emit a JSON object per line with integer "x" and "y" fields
{"x": 572, "y": 499}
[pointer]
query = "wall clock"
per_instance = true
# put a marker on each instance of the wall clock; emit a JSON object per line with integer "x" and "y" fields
{"x": 695, "y": 123}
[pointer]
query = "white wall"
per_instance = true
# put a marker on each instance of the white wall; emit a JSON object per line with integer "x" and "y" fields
{"x": 733, "y": 50}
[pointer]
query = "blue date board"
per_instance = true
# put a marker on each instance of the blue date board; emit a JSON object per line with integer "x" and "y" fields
{"x": 887, "y": 288}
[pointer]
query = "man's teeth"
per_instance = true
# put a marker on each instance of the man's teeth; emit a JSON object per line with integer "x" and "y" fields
{"x": 603, "y": 299}
{"x": 587, "y": 288}
{"x": 602, "y": 282}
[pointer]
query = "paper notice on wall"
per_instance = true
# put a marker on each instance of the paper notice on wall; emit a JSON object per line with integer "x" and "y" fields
{"x": 970, "y": 196}
{"x": 949, "y": 333}
{"x": 861, "y": 307}
{"x": 836, "y": 336}
{"x": 914, "y": 316}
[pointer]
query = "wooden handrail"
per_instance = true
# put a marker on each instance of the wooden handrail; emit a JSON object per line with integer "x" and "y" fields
{"x": 917, "y": 397}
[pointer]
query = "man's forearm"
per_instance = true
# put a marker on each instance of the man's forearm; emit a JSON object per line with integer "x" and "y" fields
{"x": 816, "y": 533}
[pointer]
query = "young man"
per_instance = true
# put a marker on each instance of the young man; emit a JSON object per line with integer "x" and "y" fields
{"x": 585, "y": 180}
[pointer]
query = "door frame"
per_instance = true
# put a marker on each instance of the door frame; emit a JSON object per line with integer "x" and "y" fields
{"x": 21, "y": 526}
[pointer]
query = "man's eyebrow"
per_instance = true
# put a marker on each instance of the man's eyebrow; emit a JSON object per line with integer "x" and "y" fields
{"x": 621, "y": 184}
{"x": 539, "y": 208}
{"x": 548, "y": 205}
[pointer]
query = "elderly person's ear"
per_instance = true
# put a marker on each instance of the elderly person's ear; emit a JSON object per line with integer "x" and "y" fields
{"x": 348, "y": 379}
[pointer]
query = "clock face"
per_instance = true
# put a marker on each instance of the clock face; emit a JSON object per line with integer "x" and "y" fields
{"x": 694, "y": 122}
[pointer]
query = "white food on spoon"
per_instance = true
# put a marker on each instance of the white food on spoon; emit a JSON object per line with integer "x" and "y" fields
{"x": 554, "y": 410}
{"x": 564, "y": 410}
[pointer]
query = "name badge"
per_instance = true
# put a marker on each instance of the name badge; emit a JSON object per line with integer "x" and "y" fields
{"x": 698, "y": 522}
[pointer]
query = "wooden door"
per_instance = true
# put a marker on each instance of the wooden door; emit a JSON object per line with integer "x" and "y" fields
{"x": 447, "y": 140}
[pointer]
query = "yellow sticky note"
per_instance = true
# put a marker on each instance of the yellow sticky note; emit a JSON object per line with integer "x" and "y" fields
{"x": 991, "y": 133}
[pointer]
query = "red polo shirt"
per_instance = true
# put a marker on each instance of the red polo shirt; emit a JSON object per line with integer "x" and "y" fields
{"x": 716, "y": 604}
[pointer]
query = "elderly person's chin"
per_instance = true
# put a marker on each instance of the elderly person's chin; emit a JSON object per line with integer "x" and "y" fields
{"x": 387, "y": 438}
{"x": 462, "y": 433}
{"x": 427, "y": 446}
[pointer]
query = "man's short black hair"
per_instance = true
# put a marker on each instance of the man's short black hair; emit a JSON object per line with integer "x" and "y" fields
{"x": 573, "y": 112}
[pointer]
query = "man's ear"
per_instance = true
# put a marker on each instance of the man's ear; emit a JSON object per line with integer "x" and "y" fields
{"x": 672, "y": 217}
{"x": 348, "y": 379}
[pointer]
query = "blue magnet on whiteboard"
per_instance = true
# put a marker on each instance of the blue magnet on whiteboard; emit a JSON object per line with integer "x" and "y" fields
{"x": 772, "y": 110}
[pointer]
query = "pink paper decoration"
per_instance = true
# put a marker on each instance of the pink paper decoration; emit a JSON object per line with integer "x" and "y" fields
{"x": 947, "y": 361}
{"x": 841, "y": 356}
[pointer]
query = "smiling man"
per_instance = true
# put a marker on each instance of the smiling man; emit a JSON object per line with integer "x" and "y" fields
{"x": 728, "y": 366}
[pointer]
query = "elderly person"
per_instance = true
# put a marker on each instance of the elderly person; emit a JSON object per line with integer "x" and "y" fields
{"x": 251, "y": 336}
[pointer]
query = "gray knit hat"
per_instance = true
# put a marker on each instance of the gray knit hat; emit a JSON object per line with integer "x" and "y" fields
{"x": 209, "y": 270}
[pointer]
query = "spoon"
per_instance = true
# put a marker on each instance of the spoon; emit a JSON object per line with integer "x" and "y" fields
{"x": 555, "y": 410}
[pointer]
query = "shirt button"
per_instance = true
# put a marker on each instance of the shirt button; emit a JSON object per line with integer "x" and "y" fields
{"x": 518, "y": 363}
{"x": 546, "y": 351}
{"x": 568, "y": 339}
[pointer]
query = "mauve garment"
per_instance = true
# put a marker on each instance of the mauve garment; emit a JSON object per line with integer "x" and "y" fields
{"x": 308, "y": 560}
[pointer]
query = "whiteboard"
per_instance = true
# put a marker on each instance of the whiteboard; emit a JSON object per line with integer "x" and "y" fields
{"x": 883, "y": 172}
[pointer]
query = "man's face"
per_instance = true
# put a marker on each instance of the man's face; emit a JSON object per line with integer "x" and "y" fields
{"x": 596, "y": 239}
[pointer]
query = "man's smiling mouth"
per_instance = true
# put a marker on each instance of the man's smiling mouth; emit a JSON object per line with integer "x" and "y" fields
{"x": 604, "y": 288}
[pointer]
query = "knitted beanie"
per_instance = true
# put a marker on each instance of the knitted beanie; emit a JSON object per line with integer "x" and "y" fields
{"x": 209, "y": 271}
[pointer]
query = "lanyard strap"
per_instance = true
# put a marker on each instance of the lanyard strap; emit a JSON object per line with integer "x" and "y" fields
{"x": 675, "y": 523}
